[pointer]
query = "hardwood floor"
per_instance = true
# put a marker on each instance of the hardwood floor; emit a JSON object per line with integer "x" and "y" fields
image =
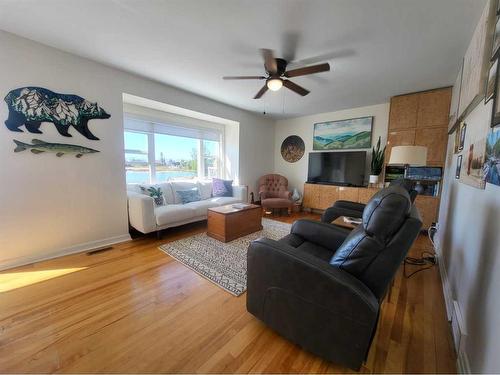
{"x": 135, "y": 309}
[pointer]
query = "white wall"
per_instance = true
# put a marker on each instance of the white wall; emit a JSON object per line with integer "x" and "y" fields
{"x": 50, "y": 205}
{"x": 303, "y": 127}
{"x": 468, "y": 241}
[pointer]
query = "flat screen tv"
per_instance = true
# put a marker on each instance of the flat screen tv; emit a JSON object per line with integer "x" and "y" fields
{"x": 337, "y": 168}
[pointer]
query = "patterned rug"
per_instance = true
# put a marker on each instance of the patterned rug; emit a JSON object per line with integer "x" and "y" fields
{"x": 225, "y": 264}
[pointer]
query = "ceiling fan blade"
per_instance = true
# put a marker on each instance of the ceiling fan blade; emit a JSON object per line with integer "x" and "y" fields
{"x": 295, "y": 88}
{"x": 243, "y": 77}
{"x": 261, "y": 92}
{"x": 269, "y": 60}
{"x": 308, "y": 70}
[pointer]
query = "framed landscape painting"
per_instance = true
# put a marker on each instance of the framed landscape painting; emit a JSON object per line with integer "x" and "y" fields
{"x": 491, "y": 169}
{"x": 343, "y": 134}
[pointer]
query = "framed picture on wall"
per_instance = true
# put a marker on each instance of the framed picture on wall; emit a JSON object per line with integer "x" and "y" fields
{"x": 495, "y": 113}
{"x": 343, "y": 134}
{"x": 463, "y": 129}
{"x": 459, "y": 167}
{"x": 490, "y": 83}
{"x": 496, "y": 40}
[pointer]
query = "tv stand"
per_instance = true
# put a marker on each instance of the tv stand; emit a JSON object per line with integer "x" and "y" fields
{"x": 321, "y": 196}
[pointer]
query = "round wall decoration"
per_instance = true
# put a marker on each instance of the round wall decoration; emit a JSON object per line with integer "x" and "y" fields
{"x": 292, "y": 148}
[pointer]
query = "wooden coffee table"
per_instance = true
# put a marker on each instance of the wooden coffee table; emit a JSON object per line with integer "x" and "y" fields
{"x": 226, "y": 223}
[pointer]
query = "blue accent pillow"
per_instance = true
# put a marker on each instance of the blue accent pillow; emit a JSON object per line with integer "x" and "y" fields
{"x": 222, "y": 188}
{"x": 191, "y": 195}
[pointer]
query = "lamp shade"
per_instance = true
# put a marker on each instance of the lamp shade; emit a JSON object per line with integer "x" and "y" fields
{"x": 409, "y": 155}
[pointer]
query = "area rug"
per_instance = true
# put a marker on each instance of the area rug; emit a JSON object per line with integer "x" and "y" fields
{"x": 225, "y": 264}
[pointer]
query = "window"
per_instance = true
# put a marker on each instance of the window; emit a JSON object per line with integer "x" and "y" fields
{"x": 156, "y": 152}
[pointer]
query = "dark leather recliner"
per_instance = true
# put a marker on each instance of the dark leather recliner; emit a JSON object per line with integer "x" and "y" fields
{"x": 355, "y": 209}
{"x": 321, "y": 286}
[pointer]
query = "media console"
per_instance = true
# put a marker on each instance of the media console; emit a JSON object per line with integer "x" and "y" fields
{"x": 320, "y": 197}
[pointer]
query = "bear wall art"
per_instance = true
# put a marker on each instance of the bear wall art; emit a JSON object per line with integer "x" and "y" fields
{"x": 30, "y": 106}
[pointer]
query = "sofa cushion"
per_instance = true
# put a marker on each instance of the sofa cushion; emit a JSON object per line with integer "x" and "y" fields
{"x": 201, "y": 207}
{"x": 165, "y": 188}
{"x": 276, "y": 203}
{"x": 173, "y": 213}
{"x": 190, "y": 195}
{"x": 167, "y": 192}
{"x": 181, "y": 185}
{"x": 222, "y": 201}
{"x": 222, "y": 188}
{"x": 205, "y": 187}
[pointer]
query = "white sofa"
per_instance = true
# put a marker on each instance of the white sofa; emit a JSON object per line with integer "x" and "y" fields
{"x": 146, "y": 218}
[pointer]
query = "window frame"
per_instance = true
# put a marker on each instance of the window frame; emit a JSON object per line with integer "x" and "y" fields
{"x": 200, "y": 148}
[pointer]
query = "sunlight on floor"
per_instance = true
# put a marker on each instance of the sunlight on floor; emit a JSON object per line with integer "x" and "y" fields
{"x": 14, "y": 280}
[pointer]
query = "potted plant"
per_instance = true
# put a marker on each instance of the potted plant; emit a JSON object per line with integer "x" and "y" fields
{"x": 378, "y": 156}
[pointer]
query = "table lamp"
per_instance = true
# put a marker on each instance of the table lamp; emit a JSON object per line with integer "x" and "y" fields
{"x": 408, "y": 156}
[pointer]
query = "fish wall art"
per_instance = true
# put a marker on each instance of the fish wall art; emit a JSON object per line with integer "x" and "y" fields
{"x": 30, "y": 106}
{"x": 60, "y": 149}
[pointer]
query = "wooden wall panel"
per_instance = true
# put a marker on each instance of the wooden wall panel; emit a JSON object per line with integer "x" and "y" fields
{"x": 436, "y": 141}
{"x": 428, "y": 208}
{"x": 399, "y": 138}
{"x": 403, "y": 112}
{"x": 434, "y": 108}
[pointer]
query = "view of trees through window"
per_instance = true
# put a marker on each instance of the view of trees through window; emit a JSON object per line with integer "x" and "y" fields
{"x": 161, "y": 157}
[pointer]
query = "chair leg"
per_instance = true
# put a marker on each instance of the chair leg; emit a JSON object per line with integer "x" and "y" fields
{"x": 158, "y": 234}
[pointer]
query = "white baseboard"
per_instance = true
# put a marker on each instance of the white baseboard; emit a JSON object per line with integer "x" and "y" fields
{"x": 455, "y": 318}
{"x": 446, "y": 288}
{"x": 93, "y": 245}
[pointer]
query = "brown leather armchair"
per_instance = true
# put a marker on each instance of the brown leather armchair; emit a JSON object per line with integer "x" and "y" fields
{"x": 273, "y": 192}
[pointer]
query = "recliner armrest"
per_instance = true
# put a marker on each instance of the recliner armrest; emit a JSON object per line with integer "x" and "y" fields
{"x": 342, "y": 208}
{"x": 355, "y": 206}
{"x": 322, "y": 234}
{"x": 272, "y": 264}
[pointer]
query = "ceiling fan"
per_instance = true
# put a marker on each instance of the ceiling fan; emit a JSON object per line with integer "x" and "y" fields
{"x": 277, "y": 74}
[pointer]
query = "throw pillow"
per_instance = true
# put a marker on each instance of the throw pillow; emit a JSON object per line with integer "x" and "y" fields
{"x": 222, "y": 188}
{"x": 191, "y": 195}
{"x": 155, "y": 193}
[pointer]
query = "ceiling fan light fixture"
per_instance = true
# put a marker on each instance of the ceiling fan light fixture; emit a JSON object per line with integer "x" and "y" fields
{"x": 274, "y": 84}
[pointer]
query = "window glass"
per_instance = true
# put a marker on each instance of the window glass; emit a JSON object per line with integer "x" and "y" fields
{"x": 211, "y": 159}
{"x": 175, "y": 157}
{"x": 136, "y": 157}
{"x": 169, "y": 157}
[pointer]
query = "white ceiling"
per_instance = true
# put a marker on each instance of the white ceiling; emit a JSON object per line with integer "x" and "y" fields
{"x": 376, "y": 48}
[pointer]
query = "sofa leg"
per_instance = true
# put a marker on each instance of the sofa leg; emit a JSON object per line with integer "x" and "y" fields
{"x": 158, "y": 234}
